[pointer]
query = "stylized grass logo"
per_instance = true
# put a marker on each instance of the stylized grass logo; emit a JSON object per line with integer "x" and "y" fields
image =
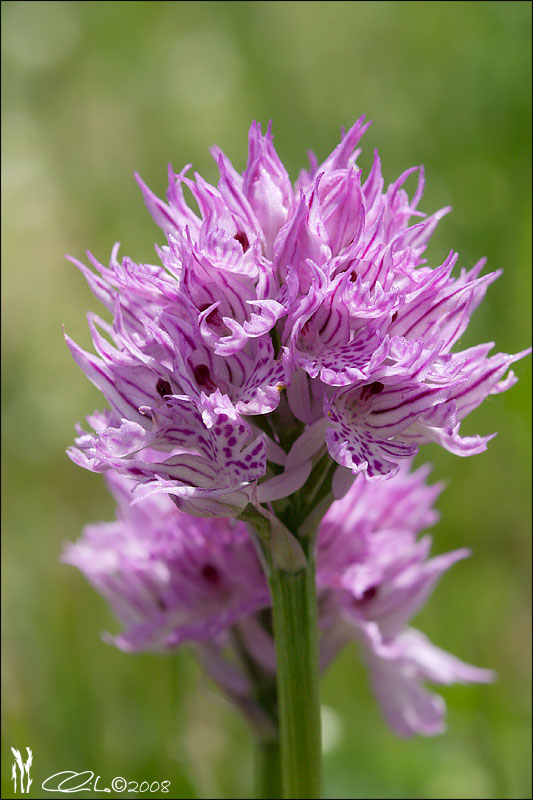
{"x": 23, "y": 770}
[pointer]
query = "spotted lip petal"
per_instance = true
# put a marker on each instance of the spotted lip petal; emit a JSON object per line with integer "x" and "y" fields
{"x": 368, "y": 424}
{"x": 213, "y": 465}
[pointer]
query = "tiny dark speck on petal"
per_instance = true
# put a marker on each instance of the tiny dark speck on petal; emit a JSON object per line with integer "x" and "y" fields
{"x": 369, "y": 593}
{"x": 371, "y": 388}
{"x": 211, "y": 574}
{"x": 243, "y": 240}
{"x": 163, "y": 388}
{"x": 202, "y": 377}
{"x": 214, "y": 317}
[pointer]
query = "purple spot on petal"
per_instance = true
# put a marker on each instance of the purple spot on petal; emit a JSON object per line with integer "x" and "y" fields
{"x": 214, "y": 317}
{"x": 163, "y": 388}
{"x": 369, "y": 593}
{"x": 202, "y": 376}
{"x": 243, "y": 240}
{"x": 211, "y": 574}
{"x": 371, "y": 388}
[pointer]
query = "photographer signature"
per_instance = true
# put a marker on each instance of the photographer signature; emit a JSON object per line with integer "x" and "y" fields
{"x": 69, "y": 781}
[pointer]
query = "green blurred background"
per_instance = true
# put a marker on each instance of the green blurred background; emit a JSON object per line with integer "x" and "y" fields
{"x": 94, "y": 91}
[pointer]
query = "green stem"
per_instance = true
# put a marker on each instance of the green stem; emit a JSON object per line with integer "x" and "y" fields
{"x": 268, "y": 770}
{"x": 296, "y": 637}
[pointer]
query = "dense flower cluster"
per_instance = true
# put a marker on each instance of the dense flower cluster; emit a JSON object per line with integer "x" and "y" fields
{"x": 319, "y": 289}
{"x": 171, "y": 578}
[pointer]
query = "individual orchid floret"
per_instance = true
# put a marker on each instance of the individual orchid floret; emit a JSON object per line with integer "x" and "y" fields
{"x": 376, "y": 425}
{"x": 169, "y": 577}
{"x": 203, "y": 456}
{"x": 375, "y": 575}
{"x": 368, "y": 423}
